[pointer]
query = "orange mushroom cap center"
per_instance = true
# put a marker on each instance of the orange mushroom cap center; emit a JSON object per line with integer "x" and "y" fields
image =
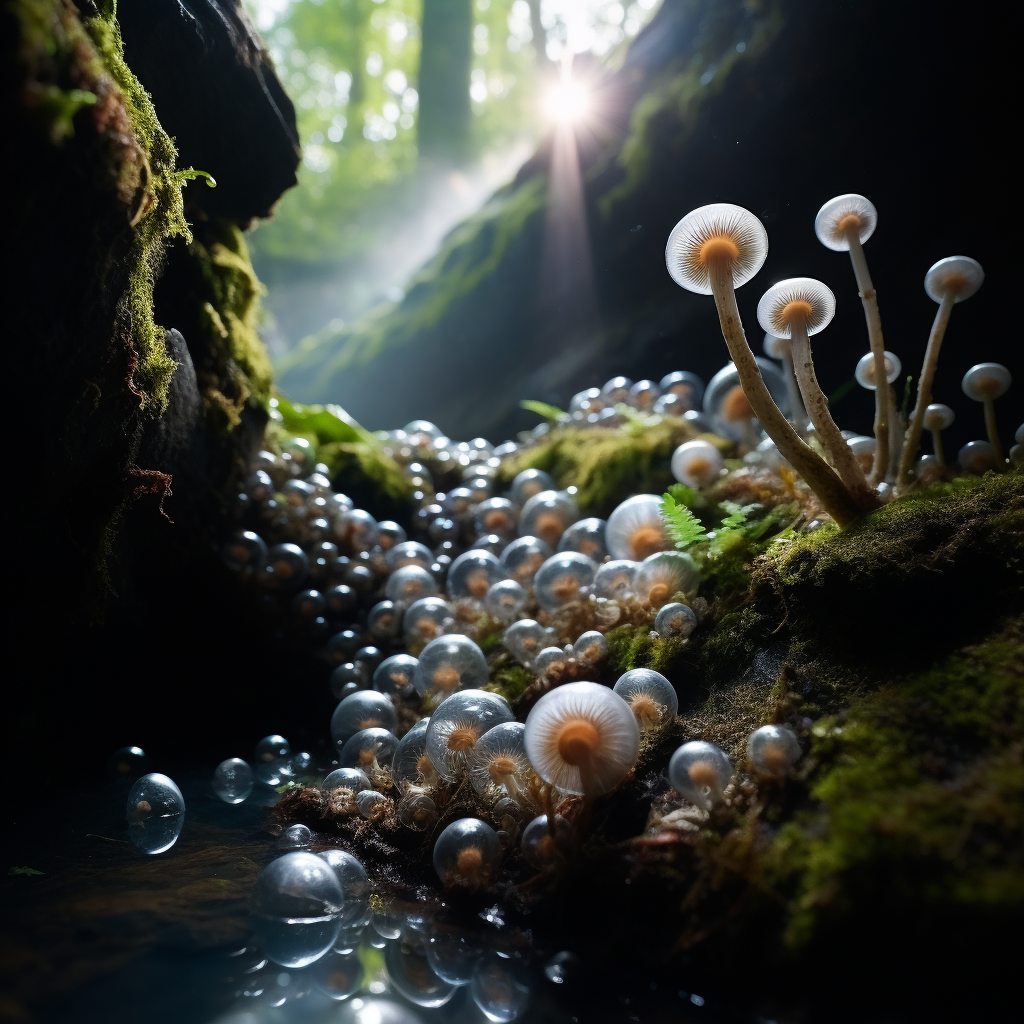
{"x": 501, "y": 768}
{"x": 736, "y": 406}
{"x": 720, "y": 249}
{"x": 462, "y": 738}
{"x": 446, "y": 678}
{"x": 647, "y": 540}
{"x": 578, "y": 741}
{"x": 796, "y": 310}
{"x": 849, "y": 222}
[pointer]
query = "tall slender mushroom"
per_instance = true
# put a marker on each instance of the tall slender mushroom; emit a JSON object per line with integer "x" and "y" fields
{"x": 712, "y": 251}
{"x": 796, "y": 309}
{"x": 948, "y": 282}
{"x": 986, "y": 382}
{"x": 844, "y": 223}
{"x": 865, "y": 376}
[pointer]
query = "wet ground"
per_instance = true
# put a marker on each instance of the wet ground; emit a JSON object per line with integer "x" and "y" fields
{"x": 92, "y": 930}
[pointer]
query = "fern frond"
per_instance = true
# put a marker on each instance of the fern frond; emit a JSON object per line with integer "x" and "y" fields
{"x": 682, "y": 526}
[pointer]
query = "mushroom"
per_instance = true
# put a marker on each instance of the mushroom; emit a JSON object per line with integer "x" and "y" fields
{"x": 986, "y": 382}
{"x": 712, "y": 251}
{"x": 937, "y": 417}
{"x": 844, "y": 223}
{"x": 865, "y": 376}
{"x": 796, "y": 309}
{"x": 948, "y": 282}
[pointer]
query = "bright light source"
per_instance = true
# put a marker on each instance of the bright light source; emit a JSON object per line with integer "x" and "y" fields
{"x": 567, "y": 102}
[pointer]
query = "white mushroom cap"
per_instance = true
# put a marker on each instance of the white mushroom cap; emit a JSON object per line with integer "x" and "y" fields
{"x": 977, "y": 457}
{"x": 721, "y": 231}
{"x": 938, "y": 416}
{"x": 838, "y": 215}
{"x": 696, "y": 463}
{"x": 582, "y": 738}
{"x": 865, "y": 371}
{"x": 797, "y": 297}
{"x": 959, "y": 275}
{"x": 986, "y": 380}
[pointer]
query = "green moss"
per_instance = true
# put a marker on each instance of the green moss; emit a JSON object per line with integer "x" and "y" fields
{"x": 917, "y": 789}
{"x": 634, "y": 647}
{"x": 229, "y": 300}
{"x": 606, "y": 466}
{"x": 157, "y": 215}
{"x": 509, "y": 678}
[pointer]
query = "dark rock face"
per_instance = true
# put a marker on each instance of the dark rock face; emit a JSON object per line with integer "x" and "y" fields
{"x": 218, "y": 96}
{"x": 776, "y": 106}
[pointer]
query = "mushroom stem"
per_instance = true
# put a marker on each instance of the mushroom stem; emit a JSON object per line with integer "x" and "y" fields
{"x": 937, "y": 445}
{"x": 896, "y": 433}
{"x": 912, "y": 438}
{"x": 834, "y": 496}
{"x": 993, "y": 432}
{"x": 797, "y": 412}
{"x": 869, "y": 298}
{"x": 843, "y": 459}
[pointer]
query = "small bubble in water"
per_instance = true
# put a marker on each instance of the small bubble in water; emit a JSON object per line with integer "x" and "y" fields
{"x": 156, "y": 813}
{"x": 232, "y": 780}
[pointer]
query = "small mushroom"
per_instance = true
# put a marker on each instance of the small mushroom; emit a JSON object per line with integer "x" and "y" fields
{"x": 937, "y": 417}
{"x": 986, "y": 382}
{"x": 712, "y": 251}
{"x": 948, "y": 282}
{"x": 796, "y": 309}
{"x": 865, "y": 375}
{"x": 977, "y": 457}
{"x": 782, "y": 349}
{"x": 843, "y": 224}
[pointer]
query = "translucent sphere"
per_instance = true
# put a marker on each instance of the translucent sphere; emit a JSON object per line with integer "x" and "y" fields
{"x": 453, "y": 956}
{"x": 337, "y": 975}
{"x": 977, "y": 457}
{"x": 244, "y": 551}
{"x": 700, "y": 771}
{"x": 156, "y": 813}
{"x": 635, "y": 529}
{"x": 540, "y": 843}
{"x": 670, "y": 405}
{"x": 457, "y": 725}
{"x": 499, "y": 759}
{"x": 417, "y": 811}
{"x": 128, "y": 763}
{"x": 372, "y": 805}
{"x": 410, "y": 973}
{"x": 408, "y": 552}
{"x": 525, "y": 639}
{"x": 665, "y": 574}
{"x": 727, "y": 406}
{"x": 474, "y": 573}
{"x": 651, "y": 697}
{"x": 232, "y": 780}
{"x": 590, "y": 649}
{"x": 357, "y": 529}
{"x": 450, "y": 663}
{"x": 959, "y": 276}
{"x": 367, "y": 709}
{"x": 394, "y": 675}
{"x": 499, "y": 988}
{"x": 865, "y": 370}
{"x": 368, "y": 749}
{"x": 374, "y": 1010}
{"x": 410, "y": 763}
{"x": 492, "y": 543}
{"x": 354, "y": 882}
{"x": 427, "y": 619}
{"x": 296, "y": 837}
{"x": 495, "y": 515}
{"x": 688, "y": 386}
{"x": 938, "y": 416}
{"x": 772, "y": 750}
{"x": 384, "y": 621}
{"x": 346, "y": 778}
{"x": 341, "y": 599}
{"x": 643, "y": 394}
{"x": 287, "y": 565}
{"x": 547, "y": 515}
{"x": 409, "y": 584}
{"x": 523, "y": 557}
{"x": 617, "y": 389}
{"x": 614, "y": 580}
{"x": 675, "y": 619}
{"x": 389, "y": 534}
{"x": 505, "y": 600}
{"x": 863, "y": 449}
{"x": 846, "y": 215}
{"x": 697, "y": 463}
{"x": 986, "y": 381}
{"x": 561, "y": 578}
{"x": 467, "y": 854}
{"x": 550, "y": 659}
{"x": 296, "y": 907}
{"x": 587, "y": 537}
{"x": 528, "y": 483}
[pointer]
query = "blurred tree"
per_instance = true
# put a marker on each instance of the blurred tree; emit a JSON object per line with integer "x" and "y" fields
{"x": 446, "y": 60}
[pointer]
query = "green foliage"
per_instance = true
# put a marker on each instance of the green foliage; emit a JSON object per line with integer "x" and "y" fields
{"x": 548, "y": 412}
{"x": 632, "y": 647}
{"x": 509, "y": 678}
{"x": 325, "y": 423}
{"x": 25, "y": 872}
{"x": 682, "y": 526}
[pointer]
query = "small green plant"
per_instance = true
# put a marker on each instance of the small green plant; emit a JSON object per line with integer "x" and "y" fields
{"x": 682, "y": 526}
{"x": 548, "y": 412}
